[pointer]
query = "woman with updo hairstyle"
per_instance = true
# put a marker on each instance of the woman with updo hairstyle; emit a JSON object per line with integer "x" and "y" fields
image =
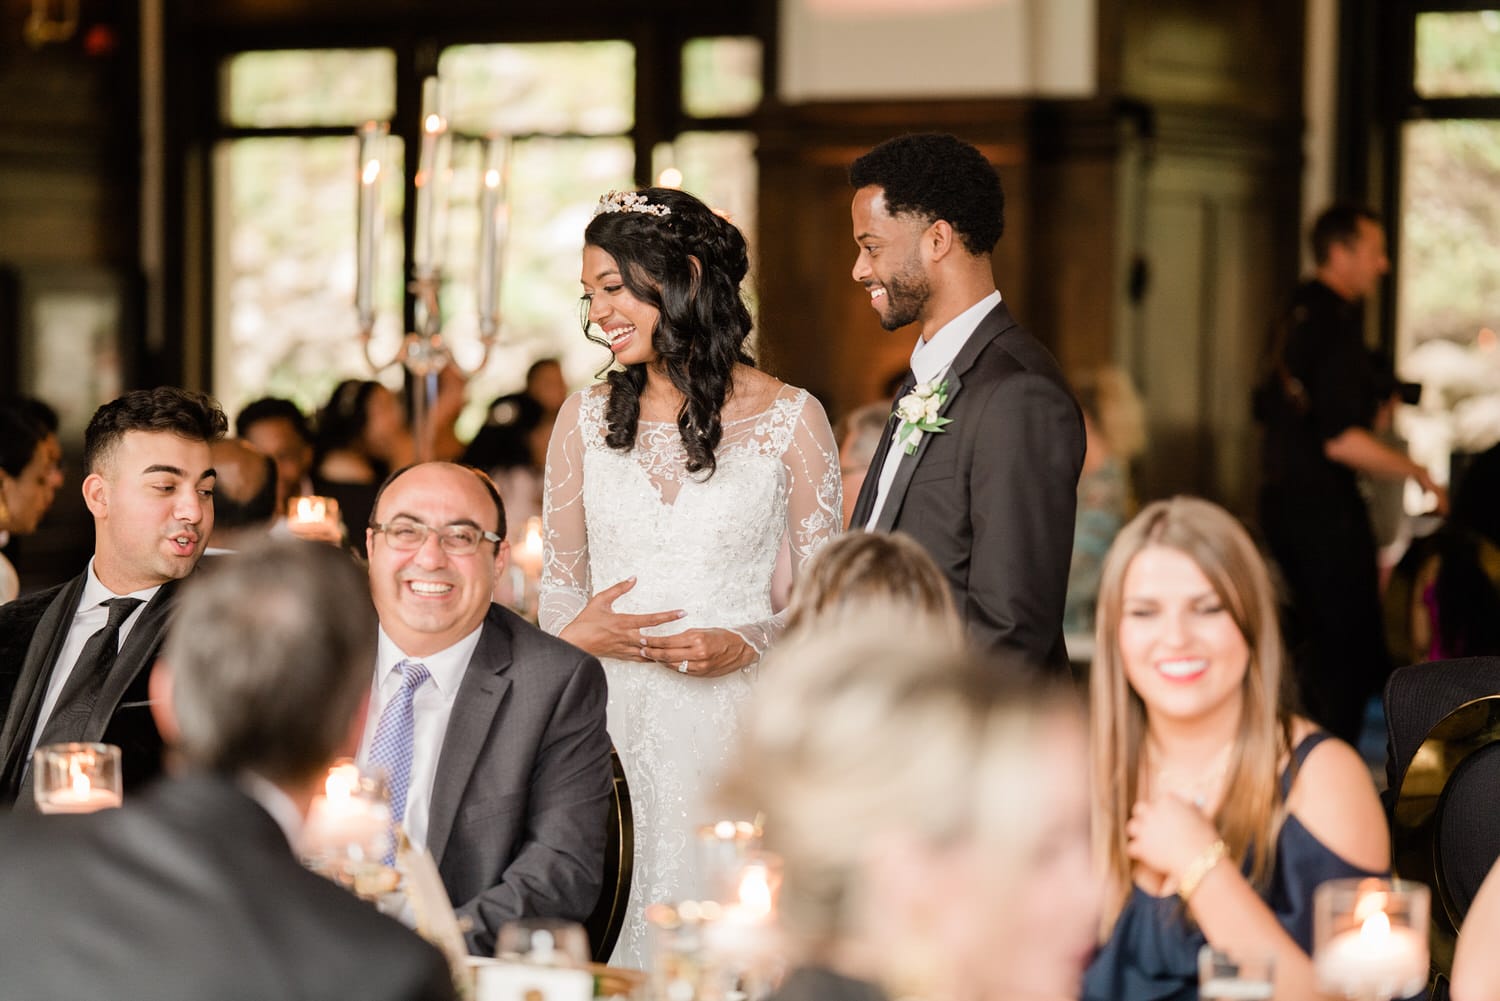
{"x": 1218, "y": 809}
{"x": 930, "y": 807}
{"x": 885, "y": 570}
{"x": 669, "y": 491}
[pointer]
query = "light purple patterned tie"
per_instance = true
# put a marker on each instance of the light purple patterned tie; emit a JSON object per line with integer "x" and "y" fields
{"x": 391, "y": 748}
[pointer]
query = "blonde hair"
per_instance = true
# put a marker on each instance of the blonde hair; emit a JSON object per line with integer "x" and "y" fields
{"x": 869, "y": 727}
{"x": 872, "y": 567}
{"x": 1251, "y": 818}
{"x": 1110, "y": 399}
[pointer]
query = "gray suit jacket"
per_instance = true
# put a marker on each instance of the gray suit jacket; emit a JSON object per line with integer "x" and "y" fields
{"x": 521, "y": 797}
{"x": 39, "y": 625}
{"x": 191, "y": 892}
{"x": 992, "y": 498}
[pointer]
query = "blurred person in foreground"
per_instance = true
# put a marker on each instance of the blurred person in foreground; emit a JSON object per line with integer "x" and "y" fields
{"x": 859, "y": 569}
{"x": 931, "y": 810}
{"x": 1198, "y": 759}
{"x": 192, "y": 890}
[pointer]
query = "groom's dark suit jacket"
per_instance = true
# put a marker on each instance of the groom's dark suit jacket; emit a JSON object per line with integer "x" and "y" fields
{"x": 190, "y": 892}
{"x": 32, "y": 632}
{"x": 521, "y": 797}
{"x": 992, "y": 497}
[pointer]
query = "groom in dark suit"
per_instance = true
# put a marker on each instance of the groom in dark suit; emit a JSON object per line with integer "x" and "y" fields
{"x": 491, "y": 731}
{"x": 981, "y": 460}
{"x": 192, "y": 890}
{"x": 78, "y": 652}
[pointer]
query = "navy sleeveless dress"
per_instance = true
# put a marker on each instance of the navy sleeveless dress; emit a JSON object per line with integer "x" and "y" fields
{"x": 1153, "y": 953}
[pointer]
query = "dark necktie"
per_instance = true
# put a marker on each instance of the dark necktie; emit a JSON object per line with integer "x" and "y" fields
{"x": 75, "y": 703}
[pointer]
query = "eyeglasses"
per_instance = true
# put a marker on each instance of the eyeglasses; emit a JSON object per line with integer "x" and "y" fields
{"x": 457, "y": 540}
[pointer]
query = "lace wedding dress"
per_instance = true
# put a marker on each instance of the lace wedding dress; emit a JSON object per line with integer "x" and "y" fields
{"x": 707, "y": 545}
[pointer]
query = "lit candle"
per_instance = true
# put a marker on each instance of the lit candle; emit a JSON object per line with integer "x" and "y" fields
{"x": 1374, "y": 960}
{"x": 76, "y": 777}
{"x": 745, "y": 930}
{"x": 529, "y": 559}
{"x": 312, "y": 511}
{"x": 371, "y": 139}
{"x": 494, "y": 220}
{"x": 431, "y": 181}
{"x": 345, "y": 817}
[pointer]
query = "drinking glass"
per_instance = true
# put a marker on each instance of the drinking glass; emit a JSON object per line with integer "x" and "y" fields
{"x": 76, "y": 777}
{"x": 1224, "y": 976}
{"x": 1370, "y": 938}
{"x": 543, "y": 942}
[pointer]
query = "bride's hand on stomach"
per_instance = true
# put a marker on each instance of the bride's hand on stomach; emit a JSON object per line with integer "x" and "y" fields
{"x": 707, "y": 653}
{"x": 603, "y": 632}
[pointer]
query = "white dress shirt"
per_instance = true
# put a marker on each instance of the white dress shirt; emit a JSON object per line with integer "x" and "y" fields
{"x": 274, "y": 800}
{"x": 929, "y": 361}
{"x": 89, "y": 619}
{"x": 432, "y": 705}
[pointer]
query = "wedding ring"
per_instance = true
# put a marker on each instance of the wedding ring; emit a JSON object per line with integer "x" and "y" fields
{"x": 682, "y": 668}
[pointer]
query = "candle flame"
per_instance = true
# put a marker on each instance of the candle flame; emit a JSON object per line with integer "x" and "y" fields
{"x": 724, "y": 829}
{"x": 534, "y": 537}
{"x": 311, "y": 509}
{"x": 342, "y": 781}
{"x": 79, "y": 778}
{"x": 433, "y": 124}
{"x": 492, "y": 178}
{"x": 755, "y": 891}
{"x": 371, "y": 172}
{"x": 670, "y": 178}
{"x": 1376, "y": 929}
{"x": 1369, "y": 905}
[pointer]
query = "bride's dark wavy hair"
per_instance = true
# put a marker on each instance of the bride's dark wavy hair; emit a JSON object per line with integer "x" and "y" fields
{"x": 689, "y": 265}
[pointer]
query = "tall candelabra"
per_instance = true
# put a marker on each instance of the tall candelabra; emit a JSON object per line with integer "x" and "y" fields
{"x": 423, "y": 352}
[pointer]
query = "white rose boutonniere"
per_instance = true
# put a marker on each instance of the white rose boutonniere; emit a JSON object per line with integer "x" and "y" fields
{"x": 918, "y": 411}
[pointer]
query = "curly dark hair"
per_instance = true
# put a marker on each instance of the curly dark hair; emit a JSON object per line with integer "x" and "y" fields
{"x": 700, "y": 334}
{"x": 183, "y": 412}
{"x": 937, "y": 176}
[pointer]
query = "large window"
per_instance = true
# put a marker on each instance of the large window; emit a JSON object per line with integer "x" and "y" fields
{"x": 285, "y": 199}
{"x": 1448, "y": 213}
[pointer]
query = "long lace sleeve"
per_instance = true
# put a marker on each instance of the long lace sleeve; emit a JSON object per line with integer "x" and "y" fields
{"x": 565, "y": 547}
{"x": 814, "y": 505}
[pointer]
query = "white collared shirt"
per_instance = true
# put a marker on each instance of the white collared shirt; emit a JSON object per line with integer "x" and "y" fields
{"x": 88, "y": 620}
{"x": 432, "y": 705}
{"x": 274, "y": 800}
{"x": 929, "y": 361}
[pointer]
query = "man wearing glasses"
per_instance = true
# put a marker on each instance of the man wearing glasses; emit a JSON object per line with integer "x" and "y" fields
{"x": 490, "y": 731}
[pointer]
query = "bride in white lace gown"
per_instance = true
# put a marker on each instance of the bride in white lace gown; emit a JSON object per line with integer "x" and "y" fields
{"x": 669, "y": 493}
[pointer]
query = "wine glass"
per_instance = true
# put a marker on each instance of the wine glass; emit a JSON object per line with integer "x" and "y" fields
{"x": 1224, "y": 976}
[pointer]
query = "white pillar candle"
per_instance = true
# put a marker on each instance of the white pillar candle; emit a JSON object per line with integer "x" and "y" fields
{"x": 1373, "y": 961}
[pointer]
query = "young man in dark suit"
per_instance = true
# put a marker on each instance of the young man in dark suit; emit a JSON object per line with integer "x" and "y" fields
{"x": 192, "y": 890}
{"x": 981, "y": 460}
{"x": 87, "y": 643}
{"x": 491, "y": 731}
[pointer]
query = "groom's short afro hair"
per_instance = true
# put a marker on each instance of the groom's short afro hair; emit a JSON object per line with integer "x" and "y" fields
{"x": 937, "y": 176}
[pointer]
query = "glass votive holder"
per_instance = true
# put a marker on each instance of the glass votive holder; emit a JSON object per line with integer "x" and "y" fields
{"x": 349, "y": 833}
{"x": 679, "y": 967}
{"x": 1235, "y": 976}
{"x": 1370, "y": 938}
{"x": 76, "y": 777}
{"x": 723, "y": 848}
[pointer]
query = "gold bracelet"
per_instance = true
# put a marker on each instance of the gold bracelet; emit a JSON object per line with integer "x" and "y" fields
{"x": 1200, "y": 867}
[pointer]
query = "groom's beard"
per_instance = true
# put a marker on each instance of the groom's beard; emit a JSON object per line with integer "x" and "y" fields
{"x": 906, "y": 295}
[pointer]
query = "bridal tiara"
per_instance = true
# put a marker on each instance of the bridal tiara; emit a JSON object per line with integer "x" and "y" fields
{"x": 629, "y": 201}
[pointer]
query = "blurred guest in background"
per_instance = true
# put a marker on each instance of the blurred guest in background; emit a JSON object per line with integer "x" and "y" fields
{"x": 1319, "y": 400}
{"x": 932, "y": 814}
{"x": 512, "y": 444}
{"x": 1186, "y": 706}
{"x": 192, "y": 890}
{"x": 858, "y": 434}
{"x": 244, "y": 496}
{"x": 1115, "y": 427}
{"x": 861, "y": 569}
{"x": 88, "y": 642}
{"x": 362, "y": 437}
{"x": 278, "y": 428}
{"x": 29, "y": 478}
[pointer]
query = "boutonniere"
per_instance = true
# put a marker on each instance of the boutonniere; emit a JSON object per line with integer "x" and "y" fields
{"x": 918, "y": 411}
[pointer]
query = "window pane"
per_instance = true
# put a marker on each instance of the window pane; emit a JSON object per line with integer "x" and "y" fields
{"x": 309, "y": 87}
{"x": 555, "y": 184}
{"x": 553, "y": 87}
{"x": 721, "y": 76}
{"x": 1458, "y": 54}
{"x": 285, "y": 267}
{"x": 1449, "y": 294}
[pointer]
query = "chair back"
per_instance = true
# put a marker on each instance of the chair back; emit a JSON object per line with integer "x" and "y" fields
{"x": 608, "y": 917}
{"x": 1443, "y": 721}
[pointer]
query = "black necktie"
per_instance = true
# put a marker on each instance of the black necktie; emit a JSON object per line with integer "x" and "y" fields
{"x": 75, "y": 703}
